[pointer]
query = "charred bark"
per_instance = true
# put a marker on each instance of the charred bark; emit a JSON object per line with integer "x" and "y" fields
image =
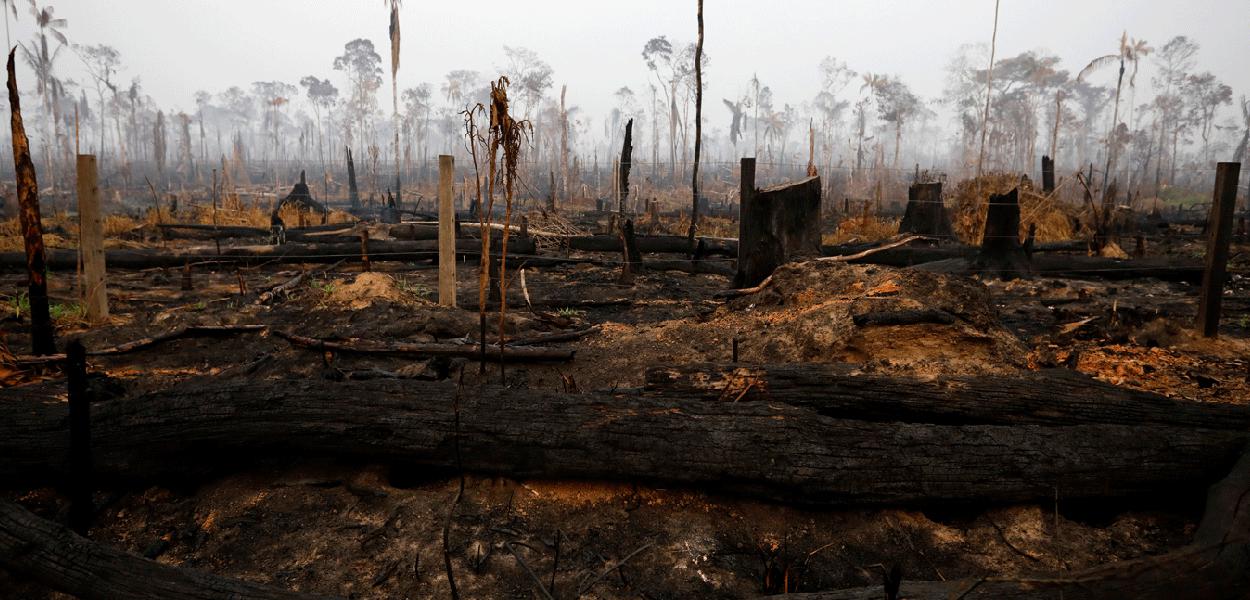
{"x": 1048, "y": 175}
{"x": 925, "y": 213}
{"x": 1215, "y": 565}
{"x": 772, "y": 450}
{"x": 627, "y": 152}
{"x": 41, "y": 330}
{"x": 779, "y": 224}
{"x": 56, "y": 557}
{"x": 1001, "y": 253}
{"x": 379, "y": 250}
{"x": 353, "y": 192}
{"x": 1048, "y": 397}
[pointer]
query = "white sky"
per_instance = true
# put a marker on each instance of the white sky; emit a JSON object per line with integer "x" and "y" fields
{"x": 179, "y": 46}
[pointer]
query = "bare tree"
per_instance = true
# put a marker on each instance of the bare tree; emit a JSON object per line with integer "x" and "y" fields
{"x": 363, "y": 68}
{"x": 158, "y": 145}
{"x": 102, "y": 63}
{"x": 417, "y": 114}
{"x": 989, "y": 90}
{"x": 1174, "y": 60}
{"x": 8, "y": 6}
{"x": 698, "y": 126}
{"x": 531, "y": 75}
{"x": 1206, "y": 95}
{"x": 321, "y": 95}
{"x": 896, "y": 104}
{"x": 1239, "y": 155}
{"x": 458, "y": 84}
{"x": 834, "y": 77}
{"x": 658, "y": 54}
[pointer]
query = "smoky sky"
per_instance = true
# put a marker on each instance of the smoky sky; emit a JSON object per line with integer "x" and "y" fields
{"x": 176, "y": 47}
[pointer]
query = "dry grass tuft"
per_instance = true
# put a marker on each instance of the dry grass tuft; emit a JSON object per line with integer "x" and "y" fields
{"x": 971, "y": 200}
{"x": 862, "y": 229}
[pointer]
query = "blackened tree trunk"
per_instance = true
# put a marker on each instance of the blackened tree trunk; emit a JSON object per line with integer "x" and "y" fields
{"x": 353, "y": 192}
{"x": 54, "y": 556}
{"x": 925, "y": 214}
{"x": 1216, "y": 564}
{"x": 778, "y": 224}
{"x": 773, "y": 450}
{"x": 41, "y": 331}
{"x": 1048, "y": 175}
{"x": 1001, "y": 253}
{"x": 698, "y": 128}
{"x": 627, "y": 153}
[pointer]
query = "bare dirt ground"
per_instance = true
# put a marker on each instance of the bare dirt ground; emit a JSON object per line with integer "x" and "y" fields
{"x": 376, "y": 530}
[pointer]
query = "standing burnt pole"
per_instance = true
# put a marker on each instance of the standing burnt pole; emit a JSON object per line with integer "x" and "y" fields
{"x": 1220, "y": 233}
{"x": 446, "y": 231}
{"x": 41, "y": 332}
{"x": 698, "y": 129}
{"x": 353, "y": 192}
{"x": 1048, "y": 175}
{"x": 627, "y": 152}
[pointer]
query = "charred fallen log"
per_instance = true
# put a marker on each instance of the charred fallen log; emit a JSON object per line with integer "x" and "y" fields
{"x": 1047, "y": 397}
{"x": 1083, "y": 267}
{"x": 655, "y": 244}
{"x": 198, "y": 231}
{"x": 56, "y": 557}
{"x": 1216, "y": 564}
{"x": 284, "y": 253}
{"x": 360, "y": 346}
{"x": 772, "y": 450}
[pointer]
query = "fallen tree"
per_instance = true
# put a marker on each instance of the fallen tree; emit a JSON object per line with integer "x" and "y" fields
{"x": 359, "y": 346}
{"x": 148, "y": 342}
{"x": 1216, "y": 564}
{"x": 342, "y": 232}
{"x": 61, "y": 560}
{"x": 771, "y": 450}
{"x": 656, "y": 244}
{"x": 1047, "y": 397}
{"x": 379, "y": 250}
{"x": 957, "y": 259}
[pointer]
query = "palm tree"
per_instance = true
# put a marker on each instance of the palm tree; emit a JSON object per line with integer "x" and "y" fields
{"x": 41, "y": 60}
{"x": 1131, "y": 51}
{"x": 871, "y": 81}
{"x": 394, "y": 35}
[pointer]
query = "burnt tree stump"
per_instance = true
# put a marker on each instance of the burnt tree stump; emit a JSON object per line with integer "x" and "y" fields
{"x": 301, "y": 199}
{"x": 1048, "y": 175}
{"x": 353, "y": 192}
{"x": 629, "y": 249}
{"x": 925, "y": 214}
{"x": 778, "y": 224}
{"x": 1001, "y": 254}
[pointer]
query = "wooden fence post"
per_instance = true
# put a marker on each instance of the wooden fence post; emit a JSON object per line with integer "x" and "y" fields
{"x": 446, "y": 231}
{"x": 91, "y": 240}
{"x": 1219, "y": 234}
